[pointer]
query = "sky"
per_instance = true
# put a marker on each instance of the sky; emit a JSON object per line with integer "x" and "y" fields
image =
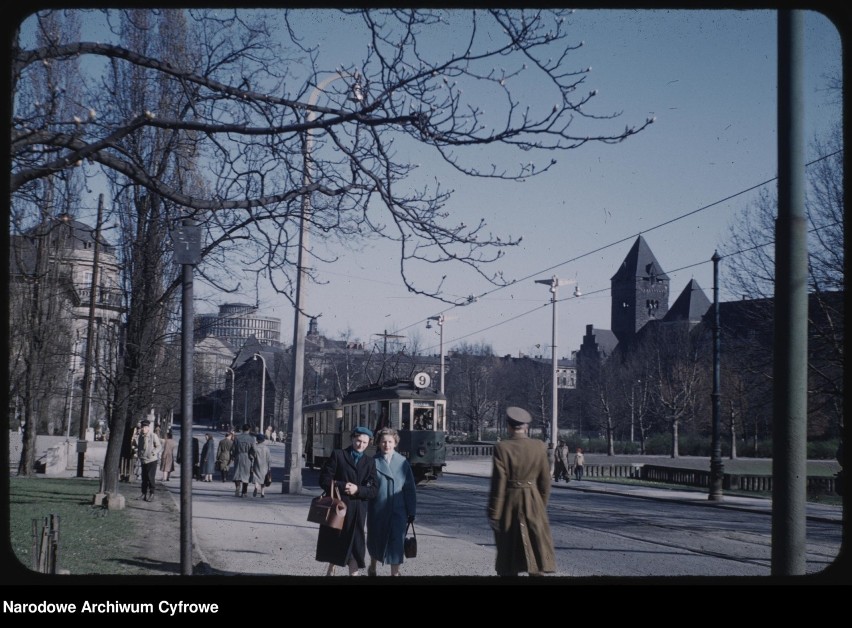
{"x": 709, "y": 80}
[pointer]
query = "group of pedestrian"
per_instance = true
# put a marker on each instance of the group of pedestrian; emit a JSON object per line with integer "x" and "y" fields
{"x": 381, "y": 500}
{"x": 251, "y": 462}
{"x": 561, "y": 466}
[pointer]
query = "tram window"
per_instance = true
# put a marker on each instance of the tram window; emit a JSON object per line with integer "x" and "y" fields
{"x": 372, "y": 419}
{"x": 394, "y": 415}
{"x": 423, "y": 419}
{"x": 362, "y": 417}
{"x": 406, "y": 415}
{"x": 347, "y": 421}
{"x": 383, "y": 417}
{"x": 441, "y": 421}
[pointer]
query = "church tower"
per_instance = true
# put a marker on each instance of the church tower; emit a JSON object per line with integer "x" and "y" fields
{"x": 640, "y": 292}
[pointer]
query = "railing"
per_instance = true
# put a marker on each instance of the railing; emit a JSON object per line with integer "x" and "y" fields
{"x": 469, "y": 450}
{"x": 816, "y": 485}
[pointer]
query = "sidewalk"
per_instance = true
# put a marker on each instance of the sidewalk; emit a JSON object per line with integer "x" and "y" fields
{"x": 818, "y": 512}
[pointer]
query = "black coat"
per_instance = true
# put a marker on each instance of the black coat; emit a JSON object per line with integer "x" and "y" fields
{"x": 334, "y": 546}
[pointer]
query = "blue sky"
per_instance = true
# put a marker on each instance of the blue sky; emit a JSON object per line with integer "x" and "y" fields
{"x": 709, "y": 78}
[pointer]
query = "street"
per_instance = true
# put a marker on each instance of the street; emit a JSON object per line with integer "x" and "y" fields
{"x": 594, "y": 534}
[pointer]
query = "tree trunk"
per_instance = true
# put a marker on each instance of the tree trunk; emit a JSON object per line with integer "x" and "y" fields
{"x": 675, "y": 450}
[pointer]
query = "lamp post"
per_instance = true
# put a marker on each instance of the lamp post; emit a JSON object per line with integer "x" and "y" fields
{"x": 554, "y": 283}
{"x": 717, "y": 468}
{"x": 293, "y": 471}
{"x": 233, "y": 378}
{"x": 262, "y": 389}
{"x": 440, "y": 319}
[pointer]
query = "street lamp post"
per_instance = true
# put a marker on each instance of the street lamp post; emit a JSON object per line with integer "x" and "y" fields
{"x": 440, "y": 319}
{"x": 262, "y": 389}
{"x": 717, "y": 468}
{"x": 293, "y": 471}
{"x": 233, "y": 378}
{"x": 554, "y": 283}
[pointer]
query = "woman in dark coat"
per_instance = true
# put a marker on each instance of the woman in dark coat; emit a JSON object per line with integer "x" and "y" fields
{"x": 354, "y": 475}
{"x": 208, "y": 458}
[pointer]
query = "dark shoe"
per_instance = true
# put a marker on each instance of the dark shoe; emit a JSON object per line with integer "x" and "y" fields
{"x": 371, "y": 571}
{"x": 255, "y": 493}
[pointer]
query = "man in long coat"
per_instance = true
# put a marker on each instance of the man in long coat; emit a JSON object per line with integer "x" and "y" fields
{"x": 223, "y": 454}
{"x": 243, "y": 452}
{"x": 517, "y": 504}
{"x": 354, "y": 474}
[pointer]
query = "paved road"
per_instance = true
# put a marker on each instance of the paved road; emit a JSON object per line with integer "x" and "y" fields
{"x": 597, "y": 531}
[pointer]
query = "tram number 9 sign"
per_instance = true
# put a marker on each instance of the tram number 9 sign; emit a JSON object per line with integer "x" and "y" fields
{"x": 422, "y": 380}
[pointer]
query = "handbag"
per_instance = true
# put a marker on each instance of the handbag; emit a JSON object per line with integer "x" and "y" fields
{"x": 328, "y": 510}
{"x": 409, "y": 547}
{"x": 267, "y": 481}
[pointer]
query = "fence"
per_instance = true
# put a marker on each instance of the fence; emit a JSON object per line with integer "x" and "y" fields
{"x": 45, "y": 551}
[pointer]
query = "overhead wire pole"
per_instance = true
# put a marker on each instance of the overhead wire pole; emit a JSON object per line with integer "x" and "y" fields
{"x": 790, "y": 403}
{"x": 292, "y": 482}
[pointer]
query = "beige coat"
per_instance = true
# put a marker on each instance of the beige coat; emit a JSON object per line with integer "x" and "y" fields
{"x": 517, "y": 507}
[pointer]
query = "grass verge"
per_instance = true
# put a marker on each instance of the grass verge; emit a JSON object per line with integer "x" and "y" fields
{"x": 91, "y": 538}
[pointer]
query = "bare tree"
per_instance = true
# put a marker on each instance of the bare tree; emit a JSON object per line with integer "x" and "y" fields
{"x": 208, "y": 115}
{"x": 677, "y": 375}
{"x": 472, "y": 392}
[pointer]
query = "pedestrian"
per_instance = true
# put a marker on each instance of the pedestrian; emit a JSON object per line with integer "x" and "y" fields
{"x": 167, "y": 459}
{"x": 195, "y": 456}
{"x": 561, "y": 468}
{"x": 579, "y": 461}
{"x": 517, "y": 502}
{"x": 208, "y": 458}
{"x": 127, "y": 455}
{"x": 260, "y": 465}
{"x": 223, "y": 454}
{"x": 395, "y": 505}
{"x": 243, "y": 454}
{"x": 354, "y": 475}
{"x": 148, "y": 449}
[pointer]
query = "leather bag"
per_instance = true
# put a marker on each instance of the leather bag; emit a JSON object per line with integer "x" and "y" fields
{"x": 328, "y": 510}
{"x": 267, "y": 481}
{"x": 409, "y": 547}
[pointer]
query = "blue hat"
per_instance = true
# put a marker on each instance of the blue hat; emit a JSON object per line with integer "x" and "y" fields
{"x": 362, "y": 430}
{"x": 260, "y": 438}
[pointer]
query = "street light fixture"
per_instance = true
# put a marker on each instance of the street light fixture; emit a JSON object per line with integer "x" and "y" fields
{"x": 440, "y": 319}
{"x": 554, "y": 283}
{"x": 262, "y": 389}
{"x": 293, "y": 472}
{"x": 233, "y": 378}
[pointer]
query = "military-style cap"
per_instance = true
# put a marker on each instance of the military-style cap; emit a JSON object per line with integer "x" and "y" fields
{"x": 362, "y": 430}
{"x": 145, "y": 422}
{"x": 517, "y": 416}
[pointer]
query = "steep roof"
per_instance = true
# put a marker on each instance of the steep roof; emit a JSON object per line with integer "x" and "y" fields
{"x": 640, "y": 262}
{"x": 691, "y": 305}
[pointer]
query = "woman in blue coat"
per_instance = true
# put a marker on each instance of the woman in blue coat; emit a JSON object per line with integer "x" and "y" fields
{"x": 394, "y": 507}
{"x": 354, "y": 474}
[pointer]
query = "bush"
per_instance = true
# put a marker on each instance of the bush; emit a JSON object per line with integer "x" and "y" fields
{"x": 823, "y": 449}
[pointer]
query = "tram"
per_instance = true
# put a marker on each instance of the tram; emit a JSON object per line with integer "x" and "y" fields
{"x": 416, "y": 411}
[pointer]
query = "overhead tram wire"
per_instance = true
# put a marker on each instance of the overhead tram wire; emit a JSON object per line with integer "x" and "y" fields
{"x": 614, "y": 243}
